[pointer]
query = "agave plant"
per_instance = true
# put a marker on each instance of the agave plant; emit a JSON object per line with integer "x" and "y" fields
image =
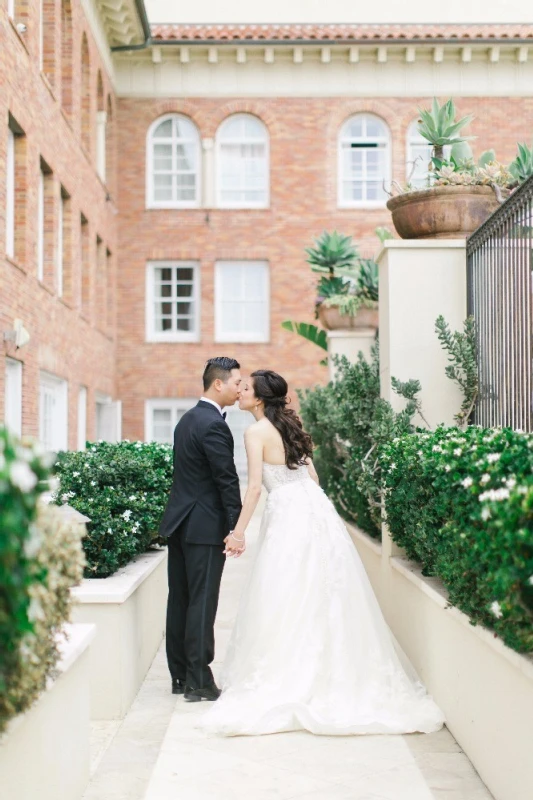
{"x": 332, "y": 251}
{"x": 440, "y": 127}
{"x": 367, "y": 286}
{"x": 522, "y": 167}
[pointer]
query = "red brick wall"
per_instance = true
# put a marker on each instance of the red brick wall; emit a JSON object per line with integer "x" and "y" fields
{"x": 62, "y": 340}
{"x": 303, "y": 181}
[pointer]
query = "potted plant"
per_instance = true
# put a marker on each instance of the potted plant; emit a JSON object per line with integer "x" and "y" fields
{"x": 461, "y": 193}
{"x": 348, "y": 289}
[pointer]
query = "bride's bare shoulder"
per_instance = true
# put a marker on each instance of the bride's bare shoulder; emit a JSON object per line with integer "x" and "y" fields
{"x": 260, "y": 429}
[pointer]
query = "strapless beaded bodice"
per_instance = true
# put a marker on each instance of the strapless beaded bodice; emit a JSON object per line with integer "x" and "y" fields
{"x": 276, "y": 475}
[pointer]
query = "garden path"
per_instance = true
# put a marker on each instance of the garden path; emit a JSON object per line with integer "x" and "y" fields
{"x": 156, "y": 753}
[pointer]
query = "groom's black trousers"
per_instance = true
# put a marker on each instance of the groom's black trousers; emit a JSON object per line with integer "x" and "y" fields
{"x": 194, "y": 574}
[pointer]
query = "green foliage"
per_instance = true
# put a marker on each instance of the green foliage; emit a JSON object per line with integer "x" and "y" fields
{"x": 123, "y": 489}
{"x": 367, "y": 282}
{"x": 349, "y": 422}
{"x": 463, "y": 369}
{"x": 461, "y": 503}
{"x": 313, "y": 334}
{"x": 522, "y": 167}
{"x": 331, "y": 287}
{"x": 33, "y": 582}
{"x": 331, "y": 252}
{"x": 440, "y": 127}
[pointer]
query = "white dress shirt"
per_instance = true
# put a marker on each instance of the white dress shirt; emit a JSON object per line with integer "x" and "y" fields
{"x": 213, "y": 403}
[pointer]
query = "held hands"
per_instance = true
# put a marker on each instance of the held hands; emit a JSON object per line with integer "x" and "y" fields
{"x": 235, "y": 545}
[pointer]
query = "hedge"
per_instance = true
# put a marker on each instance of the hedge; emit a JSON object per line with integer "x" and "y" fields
{"x": 461, "y": 503}
{"x": 123, "y": 489}
{"x": 40, "y": 559}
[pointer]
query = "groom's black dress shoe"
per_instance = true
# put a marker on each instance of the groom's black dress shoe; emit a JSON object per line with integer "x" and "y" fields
{"x": 211, "y": 692}
{"x": 178, "y": 687}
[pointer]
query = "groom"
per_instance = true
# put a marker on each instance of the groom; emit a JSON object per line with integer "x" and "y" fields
{"x": 203, "y": 507}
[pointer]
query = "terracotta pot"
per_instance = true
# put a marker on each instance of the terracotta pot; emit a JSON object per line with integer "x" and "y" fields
{"x": 443, "y": 212}
{"x": 333, "y": 320}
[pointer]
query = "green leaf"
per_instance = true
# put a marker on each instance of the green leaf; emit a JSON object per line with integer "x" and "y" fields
{"x": 312, "y": 333}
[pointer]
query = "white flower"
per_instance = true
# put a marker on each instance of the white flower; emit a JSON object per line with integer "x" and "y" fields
{"x": 420, "y": 453}
{"x": 75, "y": 474}
{"x": 437, "y": 448}
{"x": 22, "y": 476}
{"x": 511, "y": 483}
{"x": 530, "y": 580}
{"x": 492, "y": 457}
{"x": 93, "y": 483}
{"x": 109, "y": 530}
{"x": 91, "y": 499}
{"x": 494, "y": 494}
{"x": 485, "y": 514}
{"x": 167, "y": 458}
{"x": 447, "y": 467}
{"x": 132, "y": 497}
{"x": 496, "y": 609}
{"x": 392, "y": 466}
{"x": 485, "y": 478}
{"x": 126, "y": 515}
{"x": 87, "y": 465}
{"x": 457, "y": 451}
{"x": 467, "y": 482}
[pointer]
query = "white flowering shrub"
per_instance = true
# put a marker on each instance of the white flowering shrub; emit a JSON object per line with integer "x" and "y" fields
{"x": 40, "y": 559}
{"x": 461, "y": 503}
{"x": 123, "y": 489}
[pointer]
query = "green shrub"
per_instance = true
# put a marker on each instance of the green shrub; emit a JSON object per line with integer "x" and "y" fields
{"x": 123, "y": 489}
{"x": 461, "y": 503}
{"x": 38, "y": 564}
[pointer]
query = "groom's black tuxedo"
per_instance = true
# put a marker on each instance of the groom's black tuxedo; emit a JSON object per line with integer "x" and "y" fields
{"x": 203, "y": 506}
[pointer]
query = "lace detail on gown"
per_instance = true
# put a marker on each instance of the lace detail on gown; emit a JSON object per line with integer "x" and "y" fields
{"x": 310, "y": 648}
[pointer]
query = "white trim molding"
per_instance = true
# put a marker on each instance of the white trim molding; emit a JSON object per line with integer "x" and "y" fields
{"x": 173, "y": 143}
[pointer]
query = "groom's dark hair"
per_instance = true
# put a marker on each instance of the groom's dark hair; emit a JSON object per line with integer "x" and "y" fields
{"x": 218, "y": 368}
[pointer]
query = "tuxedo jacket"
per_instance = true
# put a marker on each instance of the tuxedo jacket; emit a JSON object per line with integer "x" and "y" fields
{"x": 205, "y": 486}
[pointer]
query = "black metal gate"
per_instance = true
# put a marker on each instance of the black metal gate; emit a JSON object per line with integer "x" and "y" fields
{"x": 499, "y": 276}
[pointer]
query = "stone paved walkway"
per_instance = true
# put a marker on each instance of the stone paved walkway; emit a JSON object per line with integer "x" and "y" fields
{"x": 156, "y": 753}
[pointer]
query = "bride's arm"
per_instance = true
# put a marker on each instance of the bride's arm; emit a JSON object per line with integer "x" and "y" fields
{"x": 254, "y": 450}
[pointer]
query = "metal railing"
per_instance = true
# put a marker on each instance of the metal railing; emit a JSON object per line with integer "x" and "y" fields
{"x": 499, "y": 280}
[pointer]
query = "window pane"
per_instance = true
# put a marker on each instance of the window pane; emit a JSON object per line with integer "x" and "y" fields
{"x": 184, "y": 273}
{"x": 242, "y": 301}
{"x": 164, "y": 129}
{"x": 184, "y": 324}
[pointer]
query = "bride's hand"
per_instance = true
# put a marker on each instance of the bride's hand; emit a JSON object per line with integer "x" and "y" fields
{"x": 234, "y": 547}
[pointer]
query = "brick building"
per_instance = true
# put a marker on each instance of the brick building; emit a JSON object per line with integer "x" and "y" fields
{"x": 158, "y": 187}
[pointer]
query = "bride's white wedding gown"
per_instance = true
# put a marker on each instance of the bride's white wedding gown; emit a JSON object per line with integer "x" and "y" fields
{"x": 310, "y": 648}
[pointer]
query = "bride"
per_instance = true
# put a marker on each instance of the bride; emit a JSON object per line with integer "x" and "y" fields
{"x": 310, "y": 648}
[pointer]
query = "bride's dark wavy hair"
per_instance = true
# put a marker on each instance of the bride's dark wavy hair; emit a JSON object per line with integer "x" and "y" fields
{"x": 272, "y": 389}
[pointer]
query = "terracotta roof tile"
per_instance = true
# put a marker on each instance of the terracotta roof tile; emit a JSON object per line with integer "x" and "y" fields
{"x": 310, "y": 33}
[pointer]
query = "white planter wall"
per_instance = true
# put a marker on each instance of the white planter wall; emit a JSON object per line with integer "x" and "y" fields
{"x": 484, "y": 688}
{"x": 129, "y": 610}
{"x": 44, "y": 753}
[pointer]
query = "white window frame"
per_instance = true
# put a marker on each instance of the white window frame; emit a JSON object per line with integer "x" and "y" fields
{"x": 108, "y": 412}
{"x": 176, "y": 406}
{"x": 385, "y": 140}
{"x": 10, "y": 194}
{"x": 238, "y": 336}
{"x": 40, "y": 226}
{"x": 11, "y": 8}
{"x": 171, "y": 336}
{"x": 13, "y": 396}
{"x": 218, "y": 147}
{"x": 150, "y": 141}
{"x": 59, "y": 432}
{"x": 59, "y": 254}
{"x": 82, "y": 417}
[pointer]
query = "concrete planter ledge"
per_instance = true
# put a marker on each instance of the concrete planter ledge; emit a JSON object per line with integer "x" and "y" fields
{"x": 118, "y": 587}
{"x": 484, "y": 688}
{"x": 55, "y": 731}
{"x": 128, "y": 609}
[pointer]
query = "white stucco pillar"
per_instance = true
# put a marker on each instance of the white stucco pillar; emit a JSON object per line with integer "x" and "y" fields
{"x": 418, "y": 281}
{"x": 101, "y": 122}
{"x": 208, "y": 173}
{"x": 349, "y": 343}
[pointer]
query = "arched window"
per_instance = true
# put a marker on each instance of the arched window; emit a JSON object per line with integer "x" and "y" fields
{"x": 419, "y": 156}
{"x": 364, "y": 161}
{"x": 66, "y": 57}
{"x": 101, "y": 120}
{"x": 85, "y": 95}
{"x": 173, "y": 168}
{"x": 242, "y": 163}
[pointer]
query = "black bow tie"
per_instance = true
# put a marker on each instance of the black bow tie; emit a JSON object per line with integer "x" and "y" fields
{"x": 223, "y": 415}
